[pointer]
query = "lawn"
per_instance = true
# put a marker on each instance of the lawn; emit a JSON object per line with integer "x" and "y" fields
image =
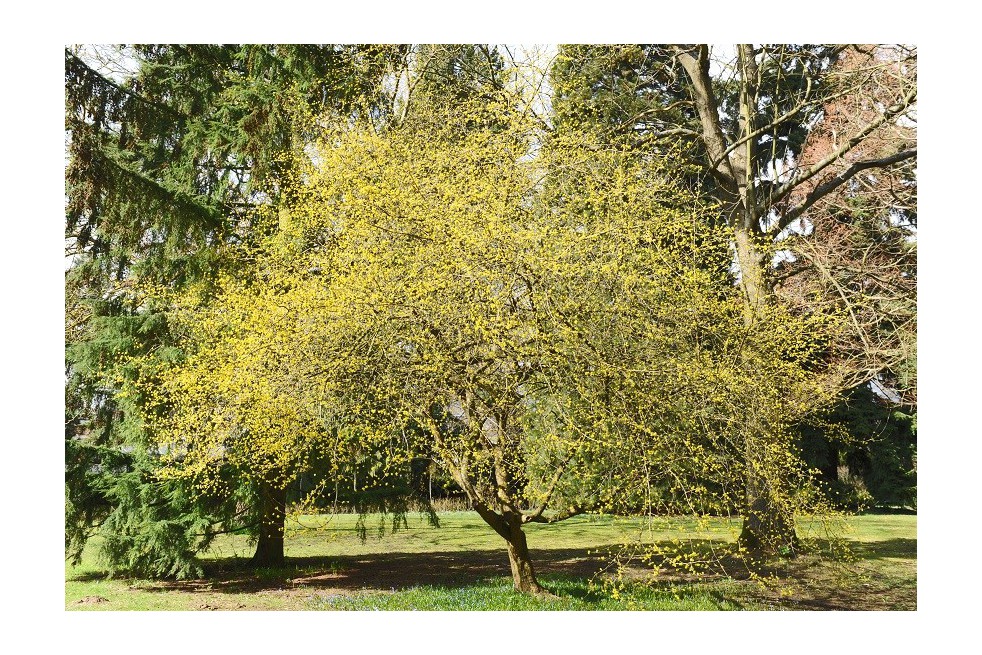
{"x": 462, "y": 565}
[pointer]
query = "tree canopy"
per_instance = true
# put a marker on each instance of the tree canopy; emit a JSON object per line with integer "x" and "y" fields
{"x": 523, "y": 314}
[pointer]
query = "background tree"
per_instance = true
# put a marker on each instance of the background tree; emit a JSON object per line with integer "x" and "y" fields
{"x": 754, "y": 123}
{"x": 442, "y": 77}
{"x": 865, "y": 448}
{"x": 168, "y": 165}
{"x": 805, "y": 80}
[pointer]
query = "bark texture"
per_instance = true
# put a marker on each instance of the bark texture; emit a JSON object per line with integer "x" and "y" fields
{"x": 522, "y": 571}
{"x": 269, "y": 548}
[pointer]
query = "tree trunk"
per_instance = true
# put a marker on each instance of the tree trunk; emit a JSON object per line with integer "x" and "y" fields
{"x": 508, "y": 520}
{"x": 830, "y": 468}
{"x": 522, "y": 572}
{"x": 509, "y": 527}
{"x": 767, "y": 529}
{"x": 269, "y": 548}
{"x": 764, "y": 524}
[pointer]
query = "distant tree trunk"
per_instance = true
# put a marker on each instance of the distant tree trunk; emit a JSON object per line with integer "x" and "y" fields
{"x": 764, "y": 527}
{"x": 830, "y": 468}
{"x": 269, "y": 548}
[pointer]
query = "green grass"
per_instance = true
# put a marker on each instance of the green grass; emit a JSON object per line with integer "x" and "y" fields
{"x": 462, "y": 566}
{"x": 457, "y": 532}
{"x": 570, "y": 595}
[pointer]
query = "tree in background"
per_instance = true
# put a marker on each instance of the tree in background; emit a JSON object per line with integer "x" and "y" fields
{"x": 769, "y": 186}
{"x": 754, "y": 125}
{"x": 440, "y": 78}
{"x": 168, "y": 165}
{"x": 865, "y": 448}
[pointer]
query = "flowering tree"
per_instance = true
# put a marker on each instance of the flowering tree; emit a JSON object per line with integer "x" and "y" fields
{"x": 512, "y": 311}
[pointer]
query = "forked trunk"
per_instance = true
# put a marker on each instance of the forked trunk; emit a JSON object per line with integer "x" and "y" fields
{"x": 508, "y": 520}
{"x": 509, "y": 528}
{"x": 269, "y": 548}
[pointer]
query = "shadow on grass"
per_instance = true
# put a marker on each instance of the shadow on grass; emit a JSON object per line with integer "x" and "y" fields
{"x": 394, "y": 571}
{"x": 898, "y": 548}
{"x": 388, "y": 571}
{"x": 887, "y": 511}
{"x": 566, "y": 572}
{"x": 92, "y": 576}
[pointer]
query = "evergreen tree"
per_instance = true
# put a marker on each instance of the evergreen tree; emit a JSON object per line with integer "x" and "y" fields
{"x": 171, "y": 170}
{"x": 453, "y": 86}
{"x": 866, "y": 449}
{"x": 626, "y": 94}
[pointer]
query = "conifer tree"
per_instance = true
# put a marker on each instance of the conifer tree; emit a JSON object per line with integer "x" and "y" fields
{"x": 167, "y": 168}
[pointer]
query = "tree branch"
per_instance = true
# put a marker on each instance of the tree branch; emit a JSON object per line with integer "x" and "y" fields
{"x": 697, "y": 68}
{"x": 678, "y": 131}
{"x": 806, "y": 174}
{"x": 562, "y": 516}
{"x": 824, "y": 189}
{"x": 537, "y": 512}
{"x": 78, "y": 65}
{"x": 766, "y": 128}
{"x": 458, "y": 470}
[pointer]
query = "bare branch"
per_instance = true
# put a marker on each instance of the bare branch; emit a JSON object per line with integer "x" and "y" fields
{"x": 806, "y": 174}
{"x": 824, "y": 189}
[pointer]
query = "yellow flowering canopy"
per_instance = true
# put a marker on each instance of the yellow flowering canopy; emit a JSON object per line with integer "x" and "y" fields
{"x": 550, "y": 319}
